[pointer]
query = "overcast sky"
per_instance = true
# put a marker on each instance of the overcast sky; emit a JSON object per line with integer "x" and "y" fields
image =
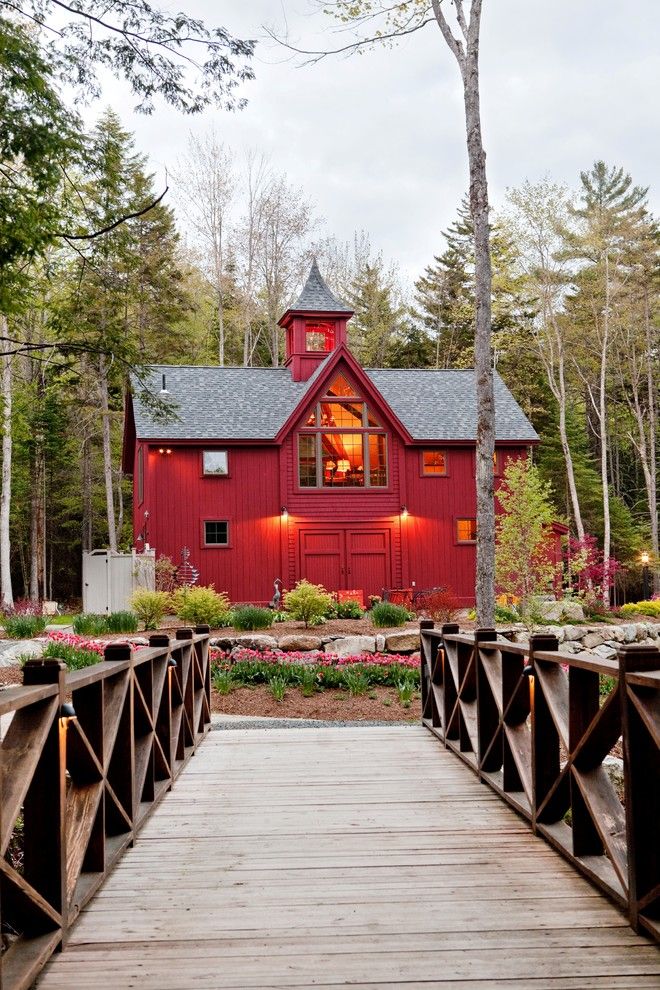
{"x": 378, "y": 141}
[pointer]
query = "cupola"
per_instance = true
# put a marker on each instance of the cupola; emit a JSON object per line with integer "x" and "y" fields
{"x": 315, "y": 325}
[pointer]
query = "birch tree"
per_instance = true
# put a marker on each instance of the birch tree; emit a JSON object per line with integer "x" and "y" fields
{"x": 538, "y": 214}
{"x": 207, "y": 182}
{"x": 459, "y": 22}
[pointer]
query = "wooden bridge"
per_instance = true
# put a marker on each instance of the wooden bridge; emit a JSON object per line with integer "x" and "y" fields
{"x": 369, "y": 857}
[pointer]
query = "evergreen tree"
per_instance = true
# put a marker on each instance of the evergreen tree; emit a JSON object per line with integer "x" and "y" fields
{"x": 378, "y": 319}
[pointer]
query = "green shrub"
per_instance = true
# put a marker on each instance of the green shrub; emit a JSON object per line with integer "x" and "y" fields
{"x": 651, "y": 608}
{"x": 349, "y": 609}
{"x": 223, "y": 682}
{"x": 89, "y": 624}
{"x": 252, "y": 617}
{"x": 74, "y": 657}
{"x": 150, "y": 607}
{"x": 385, "y": 614}
{"x": 278, "y": 686}
{"x": 505, "y": 614}
{"x": 23, "y": 626}
{"x": 202, "y": 605}
{"x": 308, "y": 603}
{"x": 122, "y": 622}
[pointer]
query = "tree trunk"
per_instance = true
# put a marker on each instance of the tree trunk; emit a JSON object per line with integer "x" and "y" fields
{"x": 87, "y": 521}
{"x": 107, "y": 455}
{"x": 566, "y": 448}
{"x": 602, "y": 417}
{"x": 483, "y": 364}
{"x": 37, "y": 564}
{"x": 6, "y": 592}
{"x": 652, "y": 481}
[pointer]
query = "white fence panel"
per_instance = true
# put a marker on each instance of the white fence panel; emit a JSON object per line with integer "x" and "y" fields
{"x": 109, "y": 579}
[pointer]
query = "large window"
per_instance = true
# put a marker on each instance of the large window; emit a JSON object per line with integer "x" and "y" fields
{"x": 342, "y": 444}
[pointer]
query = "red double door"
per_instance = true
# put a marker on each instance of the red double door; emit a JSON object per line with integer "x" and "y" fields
{"x": 346, "y": 557}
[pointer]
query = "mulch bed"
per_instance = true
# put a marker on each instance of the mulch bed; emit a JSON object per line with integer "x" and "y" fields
{"x": 380, "y": 704}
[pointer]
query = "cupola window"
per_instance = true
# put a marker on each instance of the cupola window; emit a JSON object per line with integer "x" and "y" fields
{"x": 319, "y": 336}
{"x": 342, "y": 443}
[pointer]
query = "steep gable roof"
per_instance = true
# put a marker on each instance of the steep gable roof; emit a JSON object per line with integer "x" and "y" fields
{"x": 213, "y": 403}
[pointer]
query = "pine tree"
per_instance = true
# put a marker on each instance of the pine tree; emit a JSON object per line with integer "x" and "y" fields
{"x": 378, "y": 319}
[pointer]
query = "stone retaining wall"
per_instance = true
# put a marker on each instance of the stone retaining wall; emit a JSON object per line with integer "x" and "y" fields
{"x": 599, "y": 640}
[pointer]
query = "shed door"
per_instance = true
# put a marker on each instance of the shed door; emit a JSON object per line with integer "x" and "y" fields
{"x": 322, "y": 557}
{"x": 346, "y": 558}
{"x": 368, "y": 560}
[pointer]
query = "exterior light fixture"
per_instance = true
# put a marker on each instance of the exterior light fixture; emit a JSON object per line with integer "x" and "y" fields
{"x": 171, "y": 662}
{"x": 528, "y": 671}
{"x": 168, "y": 450}
{"x": 161, "y": 450}
{"x": 67, "y": 712}
{"x": 404, "y": 511}
{"x": 645, "y": 558}
{"x": 284, "y": 512}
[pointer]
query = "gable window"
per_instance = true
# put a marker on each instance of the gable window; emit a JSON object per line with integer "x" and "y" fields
{"x": 342, "y": 443}
{"x": 466, "y": 530}
{"x": 215, "y": 463}
{"x": 434, "y": 463}
{"x": 319, "y": 337}
{"x": 216, "y": 533}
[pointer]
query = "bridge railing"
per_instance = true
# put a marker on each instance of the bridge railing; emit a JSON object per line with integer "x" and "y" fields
{"x": 539, "y": 727}
{"x": 86, "y": 756}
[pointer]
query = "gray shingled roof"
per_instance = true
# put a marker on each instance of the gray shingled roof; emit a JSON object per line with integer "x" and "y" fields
{"x": 254, "y": 403}
{"x": 317, "y": 297}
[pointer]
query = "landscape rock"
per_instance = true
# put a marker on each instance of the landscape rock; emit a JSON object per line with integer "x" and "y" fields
{"x": 300, "y": 641}
{"x": 352, "y": 645}
{"x": 642, "y": 631}
{"x": 12, "y": 650}
{"x": 572, "y": 633}
{"x": 226, "y": 643}
{"x": 252, "y": 641}
{"x": 402, "y": 642}
{"x": 572, "y": 611}
{"x": 551, "y": 611}
{"x": 137, "y": 640}
{"x": 592, "y": 640}
{"x": 605, "y": 651}
{"x": 629, "y": 633}
{"x": 571, "y": 647}
{"x": 380, "y": 643}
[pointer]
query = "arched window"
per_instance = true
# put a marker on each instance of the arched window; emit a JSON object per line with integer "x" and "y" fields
{"x": 342, "y": 443}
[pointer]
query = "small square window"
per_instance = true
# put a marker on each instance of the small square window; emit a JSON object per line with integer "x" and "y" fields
{"x": 216, "y": 533}
{"x": 466, "y": 530}
{"x": 434, "y": 463}
{"x": 216, "y": 463}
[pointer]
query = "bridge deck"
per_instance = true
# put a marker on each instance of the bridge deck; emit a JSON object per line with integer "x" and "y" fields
{"x": 333, "y": 857}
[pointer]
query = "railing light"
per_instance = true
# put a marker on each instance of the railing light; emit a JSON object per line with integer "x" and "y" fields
{"x": 67, "y": 712}
{"x": 528, "y": 671}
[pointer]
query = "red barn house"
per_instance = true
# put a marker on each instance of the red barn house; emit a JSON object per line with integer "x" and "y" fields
{"x": 351, "y": 477}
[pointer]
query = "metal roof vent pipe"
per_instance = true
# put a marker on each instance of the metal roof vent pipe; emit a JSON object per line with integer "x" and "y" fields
{"x": 163, "y": 388}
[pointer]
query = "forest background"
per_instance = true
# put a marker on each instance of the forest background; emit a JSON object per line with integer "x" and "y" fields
{"x": 201, "y": 276}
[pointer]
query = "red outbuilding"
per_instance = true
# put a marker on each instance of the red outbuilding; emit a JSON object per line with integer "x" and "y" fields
{"x": 351, "y": 477}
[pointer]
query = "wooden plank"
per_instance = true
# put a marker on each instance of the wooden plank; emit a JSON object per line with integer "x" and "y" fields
{"x": 368, "y": 858}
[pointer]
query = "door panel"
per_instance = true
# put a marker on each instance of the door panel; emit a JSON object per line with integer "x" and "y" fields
{"x": 368, "y": 560}
{"x": 322, "y": 557}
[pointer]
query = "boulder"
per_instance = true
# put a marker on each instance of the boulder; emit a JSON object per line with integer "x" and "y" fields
{"x": 629, "y": 633}
{"x": 592, "y": 640}
{"x": 614, "y": 633}
{"x": 551, "y": 611}
{"x": 226, "y": 643}
{"x": 256, "y": 641}
{"x": 572, "y": 633}
{"x": 10, "y": 653}
{"x": 300, "y": 642}
{"x": 402, "y": 642}
{"x": 642, "y": 631}
{"x": 572, "y": 611}
{"x": 571, "y": 647}
{"x": 350, "y": 646}
{"x": 605, "y": 651}
{"x": 137, "y": 640}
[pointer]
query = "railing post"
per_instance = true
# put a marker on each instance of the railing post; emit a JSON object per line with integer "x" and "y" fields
{"x": 125, "y": 742}
{"x": 545, "y": 740}
{"x": 44, "y": 807}
{"x": 641, "y": 767}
